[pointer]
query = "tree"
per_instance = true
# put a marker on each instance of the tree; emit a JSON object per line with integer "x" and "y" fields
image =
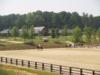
{"x": 49, "y": 20}
{"x": 27, "y": 34}
{"x": 56, "y": 21}
{"x": 31, "y": 32}
{"x": 53, "y": 33}
{"x": 75, "y": 20}
{"x": 24, "y": 32}
{"x": 29, "y": 19}
{"x": 15, "y": 31}
{"x": 64, "y": 31}
{"x": 98, "y": 34}
{"x": 77, "y": 34}
{"x": 93, "y": 37}
{"x": 65, "y": 18}
{"x": 88, "y": 34}
{"x": 85, "y": 20}
{"x": 91, "y": 21}
{"x": 57, "y": 32}
{"x": 38, "y": 18}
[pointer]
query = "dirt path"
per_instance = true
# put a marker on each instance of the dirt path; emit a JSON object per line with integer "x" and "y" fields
{"x": 76, "y": 57}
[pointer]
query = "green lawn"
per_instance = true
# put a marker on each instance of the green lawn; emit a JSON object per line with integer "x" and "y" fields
{"x": 3, "y": 72}
{"x": 12, "y": 70}
{"x": 9, "y": 43}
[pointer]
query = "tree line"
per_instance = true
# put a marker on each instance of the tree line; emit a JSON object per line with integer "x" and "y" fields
{"x": 88, "y": 35}
{"x": 50, "y": 20}
{"x": 85, "y": 28}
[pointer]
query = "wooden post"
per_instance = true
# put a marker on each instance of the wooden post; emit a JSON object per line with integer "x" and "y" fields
{"x": 16, "y": 61}
{"x": 42, "y": 66}
{"x": 81, "y": 72}
{"x": 22, "y": 63}
{"x": 11, "y": 61}
{"x": 28, "y": 63}
{"x": 35, "y": 65}
{"x": 60, "y": 70}
{"x": 70, "y": 70}
{"x": 51, "y": 68}
{"x": 93, "y": 72}
{"x": 1, "y": 59}
{"x": 6, "y": 60}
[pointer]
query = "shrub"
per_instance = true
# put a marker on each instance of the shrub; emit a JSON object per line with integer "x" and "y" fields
{"x": 29, "y": 42}
{"x": 57, "y": 42}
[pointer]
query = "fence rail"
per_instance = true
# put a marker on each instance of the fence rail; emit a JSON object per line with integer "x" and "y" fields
{"x": 62, "y": 70}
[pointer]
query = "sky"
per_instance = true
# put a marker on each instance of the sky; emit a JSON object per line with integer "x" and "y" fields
{"x": 26, "y": 6}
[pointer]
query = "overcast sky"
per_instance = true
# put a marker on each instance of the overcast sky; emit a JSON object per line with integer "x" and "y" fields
{"x": 25, "y": 6}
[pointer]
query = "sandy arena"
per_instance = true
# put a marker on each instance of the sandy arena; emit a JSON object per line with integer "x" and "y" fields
{"x": 77, "y": 57}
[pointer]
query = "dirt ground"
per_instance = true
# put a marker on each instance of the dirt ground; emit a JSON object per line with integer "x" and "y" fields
{"x": 88, "y": 58}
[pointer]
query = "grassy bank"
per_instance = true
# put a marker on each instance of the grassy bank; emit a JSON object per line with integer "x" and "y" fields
{"x": 12, "y": 70}
{"x": 3, "y": 72}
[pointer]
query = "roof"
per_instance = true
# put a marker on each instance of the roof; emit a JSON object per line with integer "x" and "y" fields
{"x": 38, "y": 29}
{"x": 60, "y": 30}
{"x": 5, "y": 31}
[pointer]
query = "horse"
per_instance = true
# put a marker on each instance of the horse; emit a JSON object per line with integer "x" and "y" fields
{"x": 39, "y": 46}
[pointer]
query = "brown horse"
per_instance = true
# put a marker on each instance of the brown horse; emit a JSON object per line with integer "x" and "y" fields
{"x": 39, "y": 46}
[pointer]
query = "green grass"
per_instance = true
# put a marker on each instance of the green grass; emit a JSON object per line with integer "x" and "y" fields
{"x": 52, "y": 42}
{"x": 39, "y": 39}
{"x": 61, "y": 39}
{"x": 3, "y": 71}
{"x": 40, "y": 72}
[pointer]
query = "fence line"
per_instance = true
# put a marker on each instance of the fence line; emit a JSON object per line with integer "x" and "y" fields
{"x": 62, "y": 70}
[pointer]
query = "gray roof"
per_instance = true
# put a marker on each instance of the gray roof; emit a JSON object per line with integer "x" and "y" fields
{"x": 60, "y": 31}
{"x": 4, "y": 31}
{"x": 38, "y": 29}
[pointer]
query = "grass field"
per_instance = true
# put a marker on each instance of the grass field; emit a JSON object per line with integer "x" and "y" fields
{"x": 3, "y": 72}
{"x": 12, "y": 70}
{"x": 11, "y": 43}
{"x": 77, "y": 57}
{"x": 37, "y": 39}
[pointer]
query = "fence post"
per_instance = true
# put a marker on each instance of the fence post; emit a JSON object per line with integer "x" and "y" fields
{"x": 28, "y": 63}
{"x": 16, "y": 61}
{"x": 93, "y": 72}
{"x": 81, "y": 72}
{"x": 60, "y": 68}
{"x": 51, "y": 68}
{"x": 35, "y": 65}
{"x": 6, "y": 60}
{"x": 22, "y": 63}
{"x": 11, "y": 61}
{"x": 1, "y": 59}
{"x": 42, "y": 66}
{"x": 70, "y": 70}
